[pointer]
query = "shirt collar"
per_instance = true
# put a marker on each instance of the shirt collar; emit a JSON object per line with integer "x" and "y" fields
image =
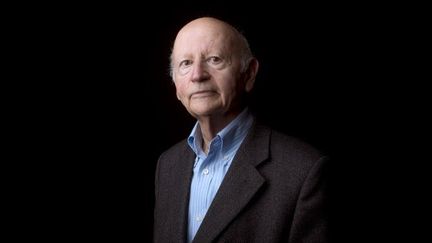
{"x": 193, "y": 139}
{"x": 235, "y": 130}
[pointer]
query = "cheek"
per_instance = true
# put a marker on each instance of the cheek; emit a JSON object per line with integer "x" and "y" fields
{"x": 180, "y": 90}
{"x": 231, "y": 89}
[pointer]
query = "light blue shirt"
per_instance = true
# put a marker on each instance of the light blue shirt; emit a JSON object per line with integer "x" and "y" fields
{"x": 209, "y": 170}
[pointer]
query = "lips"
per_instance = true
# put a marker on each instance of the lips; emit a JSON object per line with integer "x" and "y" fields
{"x": 202, "y": 93}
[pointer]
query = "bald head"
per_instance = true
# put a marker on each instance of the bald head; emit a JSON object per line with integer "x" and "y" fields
{"x": 208, "y": 23}
{"x": 208, "y": 27}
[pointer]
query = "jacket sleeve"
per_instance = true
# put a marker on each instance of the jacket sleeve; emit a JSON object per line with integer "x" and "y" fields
{"x": 156, "y": 210}
{"x": 310, "y": 223}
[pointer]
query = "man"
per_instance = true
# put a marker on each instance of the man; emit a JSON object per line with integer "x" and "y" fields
{"x": 233, "y": 179}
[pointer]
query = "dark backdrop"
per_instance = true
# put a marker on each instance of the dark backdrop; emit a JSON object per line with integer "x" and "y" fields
{"x": 105, "y": 107}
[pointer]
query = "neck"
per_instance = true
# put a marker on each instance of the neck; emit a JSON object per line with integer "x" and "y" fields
{"x": 211, "y": 125}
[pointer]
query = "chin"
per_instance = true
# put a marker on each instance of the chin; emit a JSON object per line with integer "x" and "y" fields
{"x": 204, "y": 111}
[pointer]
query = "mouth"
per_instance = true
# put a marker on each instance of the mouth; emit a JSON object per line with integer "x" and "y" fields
{"x": 202, "y": 94}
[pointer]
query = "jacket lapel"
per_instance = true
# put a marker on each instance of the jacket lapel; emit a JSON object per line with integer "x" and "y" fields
{"x": 239, "y": 186}
{"x": 180, "y": 196}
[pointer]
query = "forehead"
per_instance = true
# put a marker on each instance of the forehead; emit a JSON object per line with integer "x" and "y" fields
{"x": 203, "y": 37}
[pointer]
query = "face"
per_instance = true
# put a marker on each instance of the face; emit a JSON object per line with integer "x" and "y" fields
{"x": 207, "y": 69}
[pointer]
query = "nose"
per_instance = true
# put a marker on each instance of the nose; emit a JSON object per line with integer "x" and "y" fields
{"x": 199, "y": 72}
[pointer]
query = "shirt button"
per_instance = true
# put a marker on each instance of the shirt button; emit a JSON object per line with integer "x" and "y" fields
{"x": 198, "y": 218}
{"x": 205, "y": 171}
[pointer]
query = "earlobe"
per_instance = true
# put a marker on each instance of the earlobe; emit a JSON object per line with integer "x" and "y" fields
{"x": 249, "y": 85}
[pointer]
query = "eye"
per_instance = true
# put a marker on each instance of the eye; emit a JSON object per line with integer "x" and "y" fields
{"x": 214, "y": 60}
{"x": 184, "y": 66}
{"x": 185, "y": 63}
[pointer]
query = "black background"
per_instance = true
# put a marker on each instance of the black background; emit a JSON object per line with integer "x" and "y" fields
{"x": 98, "y": 108}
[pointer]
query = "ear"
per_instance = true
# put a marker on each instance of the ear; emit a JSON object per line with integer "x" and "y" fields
{"x": 251, "y": 73}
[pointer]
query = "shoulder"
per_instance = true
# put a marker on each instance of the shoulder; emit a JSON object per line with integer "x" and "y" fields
{"x": 174, "y": 151}
{"x": 293, "y": 147}
{"x": 285, "y": 151}
{"x": 174, "y": 159}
